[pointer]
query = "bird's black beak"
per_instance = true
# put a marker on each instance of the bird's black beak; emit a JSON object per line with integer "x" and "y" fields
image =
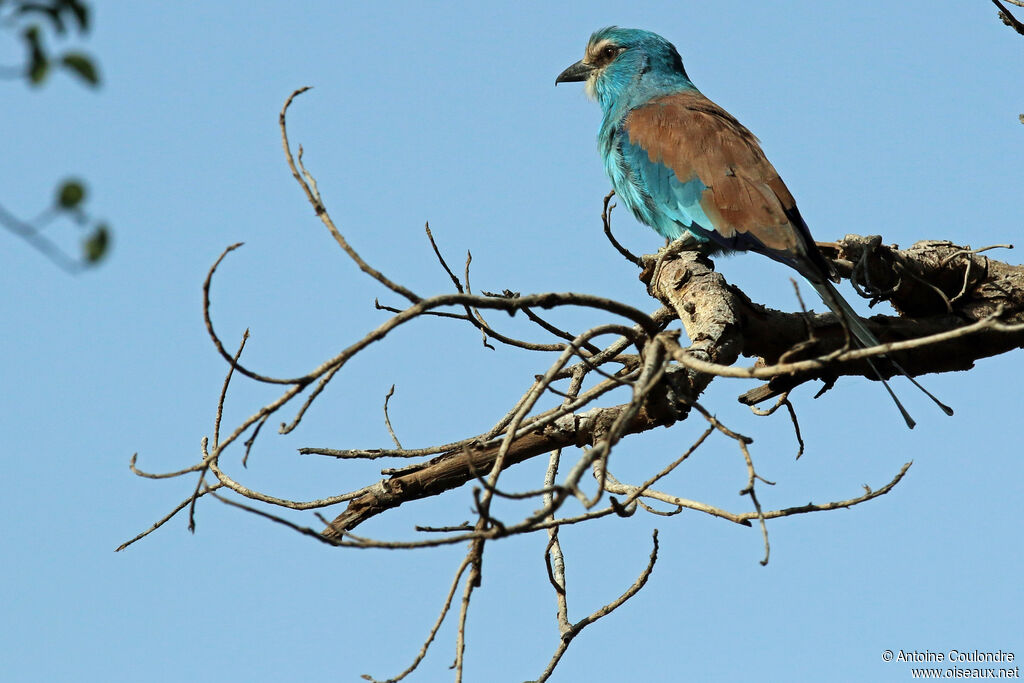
{"x": 579, "y": 71}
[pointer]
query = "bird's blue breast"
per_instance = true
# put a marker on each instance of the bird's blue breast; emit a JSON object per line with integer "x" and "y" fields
{"x": 651, "y": 190}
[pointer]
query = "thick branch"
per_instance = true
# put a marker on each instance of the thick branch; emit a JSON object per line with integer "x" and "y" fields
{"x": 935, "y": 286}
{"x": 711, "y": 311}
{"x": 1008, "y": 18}
{"x": 722, "y": 324}
{"x": 682, "y": 284}
{"x": 451, "y": 470}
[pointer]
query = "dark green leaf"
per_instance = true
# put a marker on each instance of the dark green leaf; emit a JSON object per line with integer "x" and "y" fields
{"x": 81, "y": 12}
{"x": 70, "y": 194}
{"x": 31, "y": 38}
{"x": 51, "y": 13}
{"x": 95, "y": 247}
{"x": 38, "y": 67}
{"x": 38, "y": 62}
{"x": 82, "y": 66}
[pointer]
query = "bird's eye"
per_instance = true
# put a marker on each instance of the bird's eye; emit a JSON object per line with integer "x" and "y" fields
{"x": 610, "y": 52}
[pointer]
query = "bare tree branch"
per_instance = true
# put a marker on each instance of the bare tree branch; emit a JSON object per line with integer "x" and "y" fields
{"x": 575, "y": 629}
{"x": 1008, "y": 18}
{"x": 953, "y": 305}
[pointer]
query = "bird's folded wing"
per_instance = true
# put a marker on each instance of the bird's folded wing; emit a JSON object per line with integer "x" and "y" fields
{"x": 702, "y": 166}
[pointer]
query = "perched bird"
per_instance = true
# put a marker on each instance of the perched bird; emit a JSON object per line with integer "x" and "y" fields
{"x": 690, "y": 170}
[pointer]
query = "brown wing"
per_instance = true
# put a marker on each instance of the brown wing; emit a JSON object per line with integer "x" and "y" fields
{"x": 745, "y": 197}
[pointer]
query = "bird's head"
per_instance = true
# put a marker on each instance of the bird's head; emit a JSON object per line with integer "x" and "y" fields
{"x": 617, "y": 59}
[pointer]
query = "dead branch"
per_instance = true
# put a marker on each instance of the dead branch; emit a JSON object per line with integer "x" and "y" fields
{"x": 953, "y": 305}
{"x": 1008, "y": 18}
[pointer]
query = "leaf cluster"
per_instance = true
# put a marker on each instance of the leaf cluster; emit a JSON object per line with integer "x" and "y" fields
{"x": 36, "y": 21}
{"x": 33, "y": 20}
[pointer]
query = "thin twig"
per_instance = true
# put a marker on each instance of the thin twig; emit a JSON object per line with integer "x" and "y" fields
{"x": 749, "y": 491}
{"x": 207, "y": 457}
{"x": 784, "y": 401}
{"x": 216, "y": 340}
{"x": 309, "y": 188}
{"x": 433, "y": 631}
{"x": 387, "y": 419}
{"x": 576, "y": 628}
{"x": 163, "y": 520}
{"x": 644, "y": 490}
{"x": 224, "y": 389}
{"x": 252, "y": 440}
{"x": 40, "y": 242}
{"x": 768, "y": 371}
{"x": 606, "y": 219}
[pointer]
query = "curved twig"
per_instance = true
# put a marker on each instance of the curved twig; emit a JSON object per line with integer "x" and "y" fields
{"x": 308, "y": 185}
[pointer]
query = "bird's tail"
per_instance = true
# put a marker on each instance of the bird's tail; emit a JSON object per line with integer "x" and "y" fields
{"x": 864, "y": 337}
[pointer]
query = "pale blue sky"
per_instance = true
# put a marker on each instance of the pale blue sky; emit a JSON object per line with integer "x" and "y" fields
{"x": 891, "y": 118}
